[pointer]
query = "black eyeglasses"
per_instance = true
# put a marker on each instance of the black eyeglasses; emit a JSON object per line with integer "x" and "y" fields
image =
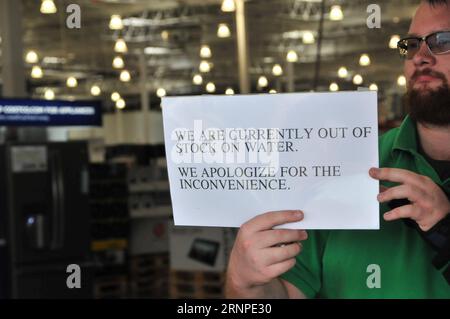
{"x": 437, "y": 43}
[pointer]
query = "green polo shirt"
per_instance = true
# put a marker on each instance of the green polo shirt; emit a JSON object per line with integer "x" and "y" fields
{"x": 393, "y": 262}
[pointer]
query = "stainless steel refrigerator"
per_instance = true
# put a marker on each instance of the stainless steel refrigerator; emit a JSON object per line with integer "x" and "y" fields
{"x": 44, "y": 221}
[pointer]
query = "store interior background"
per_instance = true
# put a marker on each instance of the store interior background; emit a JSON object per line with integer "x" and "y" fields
{"x": 128, "y": 54}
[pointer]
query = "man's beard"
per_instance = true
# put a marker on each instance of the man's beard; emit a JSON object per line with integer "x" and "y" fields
{"x": 430, "y": 106}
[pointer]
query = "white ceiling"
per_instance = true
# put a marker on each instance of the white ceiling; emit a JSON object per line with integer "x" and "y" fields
{"x": 88, "y": 52}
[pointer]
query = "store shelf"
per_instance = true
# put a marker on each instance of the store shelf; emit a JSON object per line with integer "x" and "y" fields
{"x": 158, "y": 211}
{"x": 110, "y": 244}
{"x": 108, "y": 200}
{"x": 196, "y": 284}
{"x": 106, "y": 181}
{"x": 154, "y": 186}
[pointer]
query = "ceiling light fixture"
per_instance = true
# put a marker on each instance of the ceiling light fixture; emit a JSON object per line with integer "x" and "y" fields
{"x": 277, "y": 70}
{"x": 120, "y": 46}
{"x": 48, "y": 7}
{"x": 31, "y": 57}
{"x": 204, "y": 67}
{"x": 292, "y": 56}
{"x": 125, "y": 76}
{"x": 336, "y": 13}
{"x": 36, "y": 72}
{"x": 165, "y": 35}
{"x": 393, "y": 41}
{"x": 364, "y": 60}
{"x": 334, "y": 87}
{"x": 223, "y": 31}
{"x": 197, "y": 79}
{"x": 95, "y": 90}
{"x": 161, "y": 92}
{"x": 358, "y": 79}
{"x": 342, "y": 72}
{"x": 229, "y": 91}
{"x": 308, "y": 37}
{"x": 211, "y": 87}
{"x": 115, "y": 96}
{"x": 116, "y": 22}
{"x": 49, "y": 94}
{"x": 118, "y": 63}
{"x": 120, "y": 104}
{"x": 228, "y": 6}
{"x": 205, "y": 51}
{"x": 71, "y": 82}
{"x": 156, "y": 50}
{"x": 262, "y": 81}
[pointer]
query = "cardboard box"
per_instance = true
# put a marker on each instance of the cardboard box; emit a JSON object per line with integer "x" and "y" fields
{"x": 148, "y": 178}
{"x": 150, "y": 205}
{"x": 149, "y": 235}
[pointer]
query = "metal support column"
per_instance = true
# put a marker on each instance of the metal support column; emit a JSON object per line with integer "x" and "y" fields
{"x": 290, "y": 76}
{"x": 145, "y": 100}
{"x": 319, "y": 47}
{"x": 120, "y": 139}
{"x": 13, "y": 69}
{"x": 242, "y": 46}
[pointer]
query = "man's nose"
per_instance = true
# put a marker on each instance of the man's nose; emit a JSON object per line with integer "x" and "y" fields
{"x": 423, "y": 56}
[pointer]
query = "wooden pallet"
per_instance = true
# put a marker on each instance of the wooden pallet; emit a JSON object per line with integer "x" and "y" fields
{"x": 109, "y": 244}
{"x": 196, "y": 284}
{"x": 150, "y": 289}
{"x": 149, "y": 276}
{"x": 113, "y": 287}
{"x": 147, "y": 262}
{"x": 152, "y": 285}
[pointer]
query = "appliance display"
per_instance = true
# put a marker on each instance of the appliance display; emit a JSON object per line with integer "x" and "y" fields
{"x": 44, "y": 205}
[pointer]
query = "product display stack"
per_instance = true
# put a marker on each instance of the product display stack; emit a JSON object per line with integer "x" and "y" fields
{"x": 110, "y": 229}
{"x": 198, "y": 259}
{"x": 150, "y": 212}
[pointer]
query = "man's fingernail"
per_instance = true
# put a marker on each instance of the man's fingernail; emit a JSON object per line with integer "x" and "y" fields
{"x": 373, "y": 170}
{"x": 298, "y": 213}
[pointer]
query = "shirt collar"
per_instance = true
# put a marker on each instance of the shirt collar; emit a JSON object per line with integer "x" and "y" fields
{"x": 406, "y": 139}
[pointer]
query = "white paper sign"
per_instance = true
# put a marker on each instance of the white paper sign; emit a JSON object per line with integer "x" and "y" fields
{"x": 231, "y": 158}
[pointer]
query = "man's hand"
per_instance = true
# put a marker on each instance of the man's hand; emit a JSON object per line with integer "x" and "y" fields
{"x": 429, "y": 204}
{"x": 261, "y": 253}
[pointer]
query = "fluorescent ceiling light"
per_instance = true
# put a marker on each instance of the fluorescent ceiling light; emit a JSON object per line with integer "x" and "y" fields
{"x": 156, "y": 50}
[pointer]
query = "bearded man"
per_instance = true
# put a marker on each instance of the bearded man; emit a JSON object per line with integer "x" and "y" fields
{"x": 409, "y": 256}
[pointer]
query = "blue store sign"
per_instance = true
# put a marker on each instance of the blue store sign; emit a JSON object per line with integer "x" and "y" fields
{"x": 24, "y": 112}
